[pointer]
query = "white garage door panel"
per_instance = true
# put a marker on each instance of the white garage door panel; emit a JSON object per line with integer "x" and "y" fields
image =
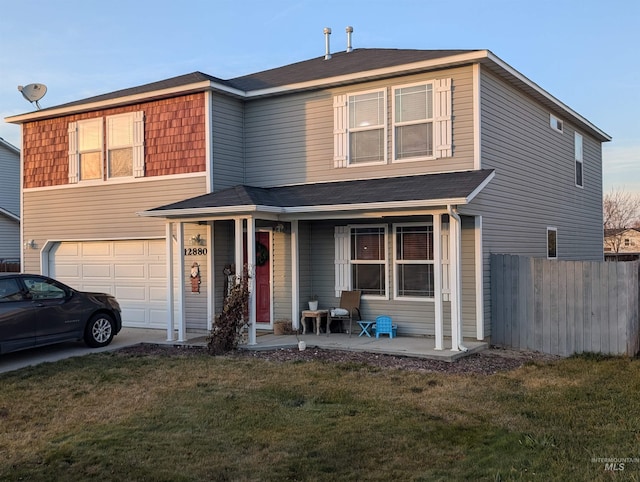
{"x": 131, "y": 293}
{"x": 93, "y": 271}
{"x": 130, "y": 271}
{"x": 133, "y": 271}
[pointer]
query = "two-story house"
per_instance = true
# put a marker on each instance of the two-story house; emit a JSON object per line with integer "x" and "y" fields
{"x": 9, "y": 206}
{"x": 392, "y": 172}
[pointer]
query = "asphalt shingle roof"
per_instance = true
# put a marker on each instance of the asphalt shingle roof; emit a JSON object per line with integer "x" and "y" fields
{"x": 428, "y": 187}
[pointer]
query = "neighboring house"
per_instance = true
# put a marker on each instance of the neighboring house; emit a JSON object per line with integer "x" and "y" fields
{"x": 394, "y": 172}
{"x": 621, "y": 242}
{"x": 9, "y": 206}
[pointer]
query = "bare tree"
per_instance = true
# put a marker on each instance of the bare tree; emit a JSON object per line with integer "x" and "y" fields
{"x": 620, "y": 211}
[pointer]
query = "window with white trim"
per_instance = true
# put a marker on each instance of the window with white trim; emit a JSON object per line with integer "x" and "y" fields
{"x": 555, "y": 123}
{"x": 552, "y": 243}
{"x": 124, "y": 135}
{"x": 421, "y": 121}
{"x": 413, "y": 122}
{"x": 578, "y": 151}
{"x": 367, "y": 128}
{"x": 90, "y": 149}
{"x": 368, "y": 260}
{"x": 414, "y": 261}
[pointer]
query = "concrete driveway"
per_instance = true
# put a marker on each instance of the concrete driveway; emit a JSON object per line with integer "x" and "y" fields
{"x": 34, "y": 356}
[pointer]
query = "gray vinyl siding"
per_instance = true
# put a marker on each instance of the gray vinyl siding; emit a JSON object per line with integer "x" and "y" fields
{"x": 290, "y": 139}
{"x": 415, "y": 318}
{"x": 227, "y": 142}
{"x": 9, "y": 238}
{"x": 534, "y": 184}
{"x": 223, "y": 255}
{"x": 9, "y": 180}
{"x": 195, "y": 303}
{"x": 100, "y": 212}
{"x": 281, "y": 266}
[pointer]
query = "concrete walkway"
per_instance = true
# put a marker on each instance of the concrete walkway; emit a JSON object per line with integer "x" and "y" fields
{"x": 421, "y": 347}
{"x": 34, "y": 356}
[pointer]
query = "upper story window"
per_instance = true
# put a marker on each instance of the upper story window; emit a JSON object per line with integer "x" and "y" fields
{"x": 421, "y": 120}
{"x": 367, "y": 128}
{"x": 578, "y": 151}
{"x": 90, "y": 149}
{"x": 124, "y": 135}
{"x": 556, "y": 123}
{"x": 120, "y": 146}
{"x": 413, "y": 122}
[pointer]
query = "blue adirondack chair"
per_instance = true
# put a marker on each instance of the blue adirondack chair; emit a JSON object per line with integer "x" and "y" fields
{"x": 384, "y": 325}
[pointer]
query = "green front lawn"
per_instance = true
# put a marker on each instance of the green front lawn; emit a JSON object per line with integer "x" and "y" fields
{"x": 196, "y": 417}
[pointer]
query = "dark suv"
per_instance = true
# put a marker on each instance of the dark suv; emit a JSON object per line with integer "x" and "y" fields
{"x": 36, "y": 310}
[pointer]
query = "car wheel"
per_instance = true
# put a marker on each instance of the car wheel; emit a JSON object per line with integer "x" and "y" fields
{"x": 99, "y": 331}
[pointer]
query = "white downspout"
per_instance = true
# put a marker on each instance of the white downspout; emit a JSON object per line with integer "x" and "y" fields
{"x": 455, "y": 240}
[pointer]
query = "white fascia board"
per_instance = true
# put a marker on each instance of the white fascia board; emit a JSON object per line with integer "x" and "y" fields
{"x": 482, "y": 185}
{"x": 374, "y": 206}
{"x": 166, "y": 213}
{"x": 130, "y": 99}
{"x": 561, "y": 105}
{"x": 397, "y": 205}
{"x": 369, "y": 74}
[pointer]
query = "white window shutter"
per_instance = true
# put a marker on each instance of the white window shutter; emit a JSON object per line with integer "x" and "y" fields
{"x": 340, "y": 139}
{"x": 138, "y": 144}
{"x": 74, "y": 155}
{"x": 442, "y": 117}
{"x": 341, "y": 236}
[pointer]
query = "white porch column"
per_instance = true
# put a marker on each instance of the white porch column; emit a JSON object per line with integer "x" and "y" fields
{"x": 182, "y": 332}
{"x": 454, "y": 263}
{"x": 211, "y": 276}
{"x": 437, "y": 281}
{"x": 251, "y": 262}
{"x": 295, "y": 279}
{"x": 169, "y": 271}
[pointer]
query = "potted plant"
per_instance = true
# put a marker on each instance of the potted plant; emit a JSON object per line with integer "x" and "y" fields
{"x": 313, "y": 303}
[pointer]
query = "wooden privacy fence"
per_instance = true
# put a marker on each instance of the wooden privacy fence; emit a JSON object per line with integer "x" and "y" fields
{"x": 565, "y": 307}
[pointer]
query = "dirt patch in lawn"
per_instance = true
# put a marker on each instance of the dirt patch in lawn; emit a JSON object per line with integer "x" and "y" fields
{"x": 487, "y": 362}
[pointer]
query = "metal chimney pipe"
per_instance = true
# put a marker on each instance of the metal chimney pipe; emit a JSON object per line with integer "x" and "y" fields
{"x": 349, "y": 32}
{"x": 327, "y": 50}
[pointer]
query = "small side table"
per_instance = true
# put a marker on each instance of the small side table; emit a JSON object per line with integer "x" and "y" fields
{"x": 317, "y": 316}
{"x": 365, "y": 325}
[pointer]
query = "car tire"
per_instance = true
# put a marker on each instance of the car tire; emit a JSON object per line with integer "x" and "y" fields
{"x": 99, "y": 331}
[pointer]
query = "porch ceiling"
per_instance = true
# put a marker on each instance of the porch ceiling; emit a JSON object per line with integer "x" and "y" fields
{"x": 456, "y": 188}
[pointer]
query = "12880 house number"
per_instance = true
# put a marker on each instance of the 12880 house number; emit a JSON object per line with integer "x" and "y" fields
{"x": 195, "y": 251}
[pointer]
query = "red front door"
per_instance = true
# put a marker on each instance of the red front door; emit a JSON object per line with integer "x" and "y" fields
{"x": 263, "y": 278}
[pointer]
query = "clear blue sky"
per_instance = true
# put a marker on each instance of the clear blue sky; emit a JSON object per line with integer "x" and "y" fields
{"x": 584, "y": 52}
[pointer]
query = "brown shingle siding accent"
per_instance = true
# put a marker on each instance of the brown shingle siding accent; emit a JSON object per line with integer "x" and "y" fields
{"x": 174, "y": 140}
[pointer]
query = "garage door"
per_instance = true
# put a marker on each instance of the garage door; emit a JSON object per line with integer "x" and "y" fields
{"x": 134, "y": 271}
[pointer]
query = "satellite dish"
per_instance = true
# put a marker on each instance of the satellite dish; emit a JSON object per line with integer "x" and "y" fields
{"x": 33, "y": 92}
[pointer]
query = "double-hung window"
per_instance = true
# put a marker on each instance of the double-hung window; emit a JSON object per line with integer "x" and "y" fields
{"x": 414, "y": 261}
{"x": 421, "y": 119}
{"x": 369, "y": 260}
{"x": 119, "y": 139}
{"x": 367, "y": 128}
{"x": 90, "y": 149}
{"x": 120, "y": 145}
{"x": 413, "y": 122}
{"x": 579, "y": 159}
